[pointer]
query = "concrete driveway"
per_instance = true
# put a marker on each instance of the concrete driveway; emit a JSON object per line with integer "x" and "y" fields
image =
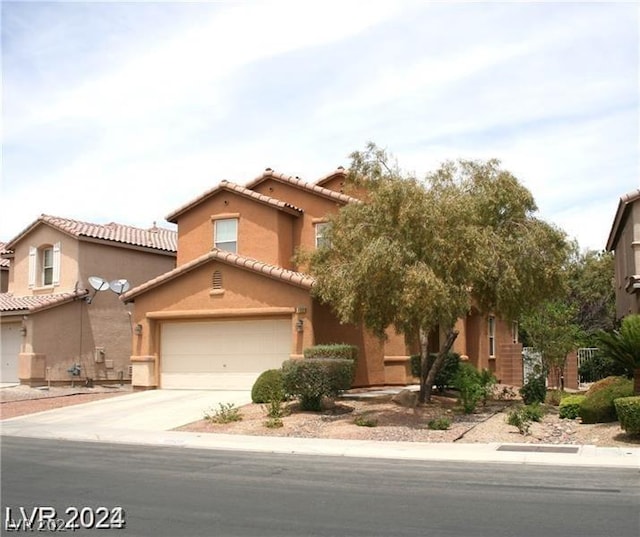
{"x": 150, "y": 411}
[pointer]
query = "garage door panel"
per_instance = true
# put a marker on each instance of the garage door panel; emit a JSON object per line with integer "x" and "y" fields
{"x": 222, "y": 353}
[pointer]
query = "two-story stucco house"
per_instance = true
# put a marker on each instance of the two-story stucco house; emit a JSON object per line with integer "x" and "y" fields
{"x": 624, "y": 241}
{"x": 236, "y": 304}
{"x": 52, "y": 319}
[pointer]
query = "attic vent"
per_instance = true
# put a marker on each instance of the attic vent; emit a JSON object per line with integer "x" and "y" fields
{"x": 216, "y": 280}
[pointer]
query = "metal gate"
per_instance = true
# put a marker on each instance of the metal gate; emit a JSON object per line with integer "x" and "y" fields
{"x": 584, "y": 380}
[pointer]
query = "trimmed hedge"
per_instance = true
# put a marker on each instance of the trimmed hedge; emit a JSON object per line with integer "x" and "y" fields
{"x": 447, "y": 372}
{"x": 268, "y": 386}
{"x": 598, "y": 406}
{"x": 570, "y": 406}
{"x": 332, "y": 351}
{"x": 628, "y": 411}
{"x": 314, "y": 378}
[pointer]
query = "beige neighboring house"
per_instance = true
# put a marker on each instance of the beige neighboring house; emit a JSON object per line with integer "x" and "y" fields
{"x": 624, "y": 241}
{"x": 52, "y": 320}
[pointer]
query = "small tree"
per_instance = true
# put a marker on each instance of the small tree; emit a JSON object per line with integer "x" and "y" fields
{"x": 551, "y": 331}
{"x": 623, "y": 347}
{"x": 416, "y": 254}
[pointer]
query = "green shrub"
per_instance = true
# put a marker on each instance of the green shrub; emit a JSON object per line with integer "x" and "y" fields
{"x": 598, "y": 406}
{"x": 534, "y": 390}
{"x": 333, "y": 351}
{"x": 534, "y": 411}
{"x": 468, "y": 383}
{"x": 487, "y": 382}
{"x": 553, "y": 397}
{"x": 268, "y": 386}
{"x": 603, "y": 384}
{"x": 628, "y": 411}
{"x": 314, "y": 378}
{"x": 447, "y": 372}
{"x": 439, "y": 424}
{"x": 226, "y": 413}
{"x": 570, "y": 406}
{"x": 363, "y": 421}
{"x": 519, "y": 417}
{"x": 274, "y": 423}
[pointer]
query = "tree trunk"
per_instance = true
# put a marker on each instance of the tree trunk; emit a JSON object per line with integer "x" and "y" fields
{"x": 426, "y": 385}
{"x": 424, "y": 361}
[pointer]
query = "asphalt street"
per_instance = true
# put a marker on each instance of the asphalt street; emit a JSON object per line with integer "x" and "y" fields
{"x": 171, "y": 491}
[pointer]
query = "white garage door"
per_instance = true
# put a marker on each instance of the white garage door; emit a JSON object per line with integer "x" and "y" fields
{"x": 10, "y": 339}
{"x": 222, "y": 354}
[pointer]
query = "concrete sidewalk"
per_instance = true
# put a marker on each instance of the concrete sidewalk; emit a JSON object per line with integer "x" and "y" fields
{"x": 145, "y": 418}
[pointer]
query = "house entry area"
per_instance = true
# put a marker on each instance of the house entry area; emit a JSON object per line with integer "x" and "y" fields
{"x": 10, "y": 339}
{"x": 221, "y": 354}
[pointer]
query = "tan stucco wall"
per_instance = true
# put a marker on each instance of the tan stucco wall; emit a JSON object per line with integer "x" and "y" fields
{"x": 260, "y": 229}
{"x": 627, "y": 262}
{"x": 40, "y": 236}
{"x": 315, "y": 209}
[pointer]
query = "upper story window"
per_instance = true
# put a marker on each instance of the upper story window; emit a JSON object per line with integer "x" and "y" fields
{"x": 492, "y": 336}
{"x": 321, "y": 228}
{"x": 225, "y": 234}
{"x": 44, "y": 265}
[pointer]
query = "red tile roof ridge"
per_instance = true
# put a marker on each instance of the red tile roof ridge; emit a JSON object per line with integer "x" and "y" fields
{"x": 338, "y": 171}
{"x": 157, "y": 238}
{"x": 34, "y": 303}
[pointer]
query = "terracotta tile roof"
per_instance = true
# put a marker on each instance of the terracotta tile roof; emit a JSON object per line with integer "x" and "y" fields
{"x": 233, "y": 187}
{"x": 4, "y": 263}
{"x": 625, "y": 202}
{"x": 157, "y": 238}
{"x": 296, "y": 181}
{"x": 298, "y": 279}
{"x": 338, "y": 171}
{"x": 33, "y": 303}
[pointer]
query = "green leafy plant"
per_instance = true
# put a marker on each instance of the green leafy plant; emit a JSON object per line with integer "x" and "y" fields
{"x": 267, "y": 385}
{"x": 623, "y": 347}
{"x": 553, "y": 397}
{"x": 225, "y": 413}
{"x": 468, "y": 383}
{"x": 274, "y": 423}
{"x": 487, "y": 382}
{"x": 598, "y": 404}
{"x": 364, "y": 421}
{"x": 314, "y": 378}
{"x": 519, "y": 417}
{"x": 534, "y": 390}
{"x": 628, "y": 411}
{"x": 439, "y": 424}
{"x": 570, "y": 406}
{"x": 535, "y": 411}
{"x": 596, "y": 367}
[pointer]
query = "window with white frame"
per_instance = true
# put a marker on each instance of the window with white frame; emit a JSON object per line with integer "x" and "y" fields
{"x": 514, "y": 332}
{"x": 44, "y": 265}
{"x": 492, "y": 336}
{"x": 225, "y": 234}
{"x": 321, "y": 228}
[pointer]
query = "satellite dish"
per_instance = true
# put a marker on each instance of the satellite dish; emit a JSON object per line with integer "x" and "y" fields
{"x": 119, "y": 286}
{"x": 98, "y": 283}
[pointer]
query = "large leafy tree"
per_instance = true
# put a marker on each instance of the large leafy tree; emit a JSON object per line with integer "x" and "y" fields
{"x": 417, "y": 254}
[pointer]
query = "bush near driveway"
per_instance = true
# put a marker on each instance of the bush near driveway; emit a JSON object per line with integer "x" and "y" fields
{"x": 268, "y": 386}
{"x": 312, "y": 379}
{"x": 628, "y": 411}
{"x": 598, "y": 404}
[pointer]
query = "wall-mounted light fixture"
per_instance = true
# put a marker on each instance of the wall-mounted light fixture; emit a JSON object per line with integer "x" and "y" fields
{"x": 138, "y": 329}
{"x": 23, "y": 330}
{"x": 299, "y": 325}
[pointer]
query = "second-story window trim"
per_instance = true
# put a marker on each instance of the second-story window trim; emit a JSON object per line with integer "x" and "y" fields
{"x": 320, "y": 229}
{"x": 44, "y": 265}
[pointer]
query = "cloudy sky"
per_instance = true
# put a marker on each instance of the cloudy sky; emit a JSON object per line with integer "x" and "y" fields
{"x": 117, "y": 111}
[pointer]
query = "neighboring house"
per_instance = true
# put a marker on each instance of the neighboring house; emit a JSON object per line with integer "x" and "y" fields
{"x": 4, "y": 269}
{"x": 236, "y": 304}
{"x": 624, "y": 241}
{"x": 52, "y": 319}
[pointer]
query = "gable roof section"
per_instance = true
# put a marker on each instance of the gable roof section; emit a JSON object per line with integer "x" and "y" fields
{"x": 156, "y": 238}
{"x": 35, "y": 303}
{"x": 228, "y": 186}
{"x": 298, "y": 279}
{"x": 339, "y": 171}
{"x": 299, "y": 183}
{"x": 623, "y": 205}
